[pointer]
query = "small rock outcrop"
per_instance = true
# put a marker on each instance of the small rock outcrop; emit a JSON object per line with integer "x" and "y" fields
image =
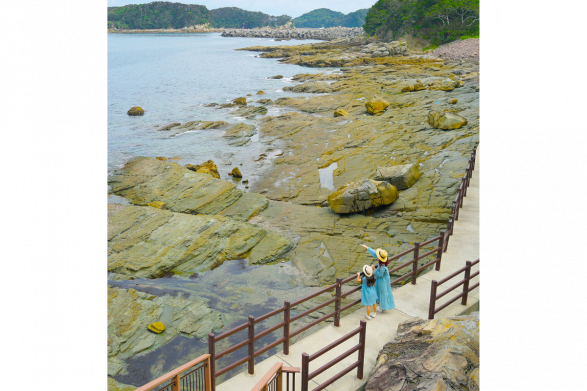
{"x": 250, "y": 112}
{"x": 402, "y": 177}
{"x": 430, "y": 355}
{"x": 240, "y": 134}
{"x": 360, "y": 196}
{"x": 415, "y": 87}
{"x": 157, "y": 327}
{"x": 208, "y": 168}
{"x": 341, "y": 113}
{"x": 242, "y": 101}
{"x": 136, "y": 111}
{"x": 260, "y": 92}
{"x": 376, "y": 107}
{"x": 265, "y": 101}
{"x": 277, "y": 77}
{"x": 156, "y": 204}
{"x": 236, "y": 173}
{"x": 293, "y": 33}
{"x": 446, "y": 120}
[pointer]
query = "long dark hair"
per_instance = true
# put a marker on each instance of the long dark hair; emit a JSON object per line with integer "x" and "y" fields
{"x": 370, "y": 280}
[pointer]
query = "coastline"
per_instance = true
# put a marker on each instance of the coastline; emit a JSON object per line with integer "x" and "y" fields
{"x": 311, "y": 138}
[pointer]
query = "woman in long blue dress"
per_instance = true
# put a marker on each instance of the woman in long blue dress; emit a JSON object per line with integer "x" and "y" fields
{"x": 368, "y": 292}
{"x": 383, "y": 283}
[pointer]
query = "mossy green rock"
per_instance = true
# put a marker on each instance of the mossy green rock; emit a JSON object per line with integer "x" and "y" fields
{"x": 242, "y": 101}
{"x": 236, "y": 173}
{"x": 136, "y": 111}
{"x": 446, "y": 120}
{"x": 144, "y": 179}
{"x": 360, "y": 196}
{"x": 147, "y": 242}
{"x": 250, "y": 112}
{"x": 341, "y": 113}
{"x": 260, "y": 92}
{"x": 402, "y": 177}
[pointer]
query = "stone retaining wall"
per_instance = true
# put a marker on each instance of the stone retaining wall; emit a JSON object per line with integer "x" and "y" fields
{"x": 326, "y": 34}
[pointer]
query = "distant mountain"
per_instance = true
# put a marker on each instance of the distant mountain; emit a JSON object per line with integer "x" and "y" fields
{"x": 161, "y": 14}
{"x": 324, "y": 17}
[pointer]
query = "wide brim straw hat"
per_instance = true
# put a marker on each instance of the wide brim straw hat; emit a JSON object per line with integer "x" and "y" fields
{"x": 381, "y": 254}
{"x": 368, "y": 270}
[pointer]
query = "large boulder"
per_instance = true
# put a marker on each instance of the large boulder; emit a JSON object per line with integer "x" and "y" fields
{"x": 430, "y": 355}
{"x": 208, "y": 168}
{"x": 360, "y": 196}
{"x": 402, "y": 177}
{"x": 136, "y": 111}
{"x": 376, "y": 106}
{"x": 242, "y": 101}
{"x": 446, "y": 120}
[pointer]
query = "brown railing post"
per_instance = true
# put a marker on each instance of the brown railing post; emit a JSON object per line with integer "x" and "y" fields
{"x": 251, "y": 345}
{"x": 466, "y": 284}
{"x": 337, "y": 302}
{"x": 280, "y": 380}
{"x": 432, "y": 306}
{"x": 286, "y": 327}
{"x": 415, "y": 264}
{"x": 208, "y": 378}
{"x": 440, "y": 250}
{"x": 362, "y": 341}
{"x": 212, "y": 362}
{"x": 305, "y": 368}
{"x": 455, "y": 208}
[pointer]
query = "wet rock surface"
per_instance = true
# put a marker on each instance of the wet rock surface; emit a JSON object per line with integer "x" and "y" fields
{"x": 143, "y": 180}
{"x": 148, "y": 242}
{"x": 360, "y": 196}
{"x": 430, "y": 355}
{"x": 402, "y": 177}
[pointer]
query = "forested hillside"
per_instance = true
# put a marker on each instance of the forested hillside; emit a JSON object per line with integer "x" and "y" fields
{"x": 435, "y": 20}
{"x": 324, "y": 17}
{"x": 160, "y": 14}
{"x": 233, "y": 17}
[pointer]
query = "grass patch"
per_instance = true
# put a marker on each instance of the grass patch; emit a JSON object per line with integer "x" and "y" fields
{"x": 468, "y": 36}
{"x": 431, "y": 47}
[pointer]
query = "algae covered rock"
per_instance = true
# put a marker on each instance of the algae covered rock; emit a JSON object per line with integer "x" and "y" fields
{"x": 250, "y": 112}
{"x": 429, "y": 355}
{"x": 147, "y": 242}
{"x": 156, "y": 204}
{"x": 135, "y": 111}
{"x": 277, "y": 77}
{"x": 376, "y": 107}
{"x": 240, "y": 134}
{"x": 265, "y": 101}
{"x": 145, "y": 179}
{"x": 360, "y": 196}
{"x": 341, "y": 113}
{"x": 260, "y": 92}
{"x": 156, "y": 327}
{"x": 402, "y": 177}
{"x": 242, "y": 101}
{"x": 453, "y": 101}
{"x": 236, "y": 173}
{"x": 415, "y": 87}
{"x": 446, "y": 120}
{"x": 208, "y": 168}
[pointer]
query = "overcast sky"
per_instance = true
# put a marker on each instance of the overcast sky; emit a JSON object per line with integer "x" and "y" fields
{"x": 293, "y": 8}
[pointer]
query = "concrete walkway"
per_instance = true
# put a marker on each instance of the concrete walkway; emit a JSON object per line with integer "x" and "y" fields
{"x": 411, "y": 302}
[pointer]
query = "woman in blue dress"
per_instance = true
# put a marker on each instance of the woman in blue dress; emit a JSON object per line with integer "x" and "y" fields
{"x": 368, "y": 292}
{"x": 383, "y": 283}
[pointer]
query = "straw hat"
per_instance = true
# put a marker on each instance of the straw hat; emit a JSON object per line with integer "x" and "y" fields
{"x": 368, "y": 270}
{"x": 381, "y": 254}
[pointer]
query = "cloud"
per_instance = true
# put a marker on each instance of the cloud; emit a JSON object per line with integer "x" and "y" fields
{"x": 293, "y": 8}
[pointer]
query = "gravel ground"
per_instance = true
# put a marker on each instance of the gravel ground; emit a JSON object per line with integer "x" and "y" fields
{"x": 459, "y": 50}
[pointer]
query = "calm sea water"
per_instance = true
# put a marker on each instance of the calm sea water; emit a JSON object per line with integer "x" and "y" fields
{"x": 171, "y": 76}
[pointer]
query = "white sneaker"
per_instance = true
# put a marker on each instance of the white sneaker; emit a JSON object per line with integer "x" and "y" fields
{"x": 368, "y": 317}
{"x": 374, "y": 313}
{"x": 379, "y": 308}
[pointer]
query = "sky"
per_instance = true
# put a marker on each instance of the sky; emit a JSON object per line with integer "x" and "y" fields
{"x": 293, "y": 8}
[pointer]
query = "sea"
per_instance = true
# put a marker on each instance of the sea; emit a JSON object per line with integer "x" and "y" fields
{"x": 172, "y": 77}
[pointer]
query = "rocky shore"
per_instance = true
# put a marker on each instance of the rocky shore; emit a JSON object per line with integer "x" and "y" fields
{"x": 189, "y": 29}
{"x": 323, "y": 34}
{"x": 391, "y": 125}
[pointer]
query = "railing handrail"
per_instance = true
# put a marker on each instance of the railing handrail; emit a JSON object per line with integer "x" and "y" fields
{"x": 432, "y": 310}
{"x": 267, "y": 377}
{"x": 173, "y": 373}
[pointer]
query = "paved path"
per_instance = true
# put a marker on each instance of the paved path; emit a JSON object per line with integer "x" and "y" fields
{"x": 411, "y": 302}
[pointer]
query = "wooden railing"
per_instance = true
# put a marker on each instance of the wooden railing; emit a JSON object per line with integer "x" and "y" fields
{"x": 359, "y": 364}
{"x": 197, "y": 377}
{"x": 273, "y": 379}
{"x": 464, "y": 295}
{"x": 437, "y": 251}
